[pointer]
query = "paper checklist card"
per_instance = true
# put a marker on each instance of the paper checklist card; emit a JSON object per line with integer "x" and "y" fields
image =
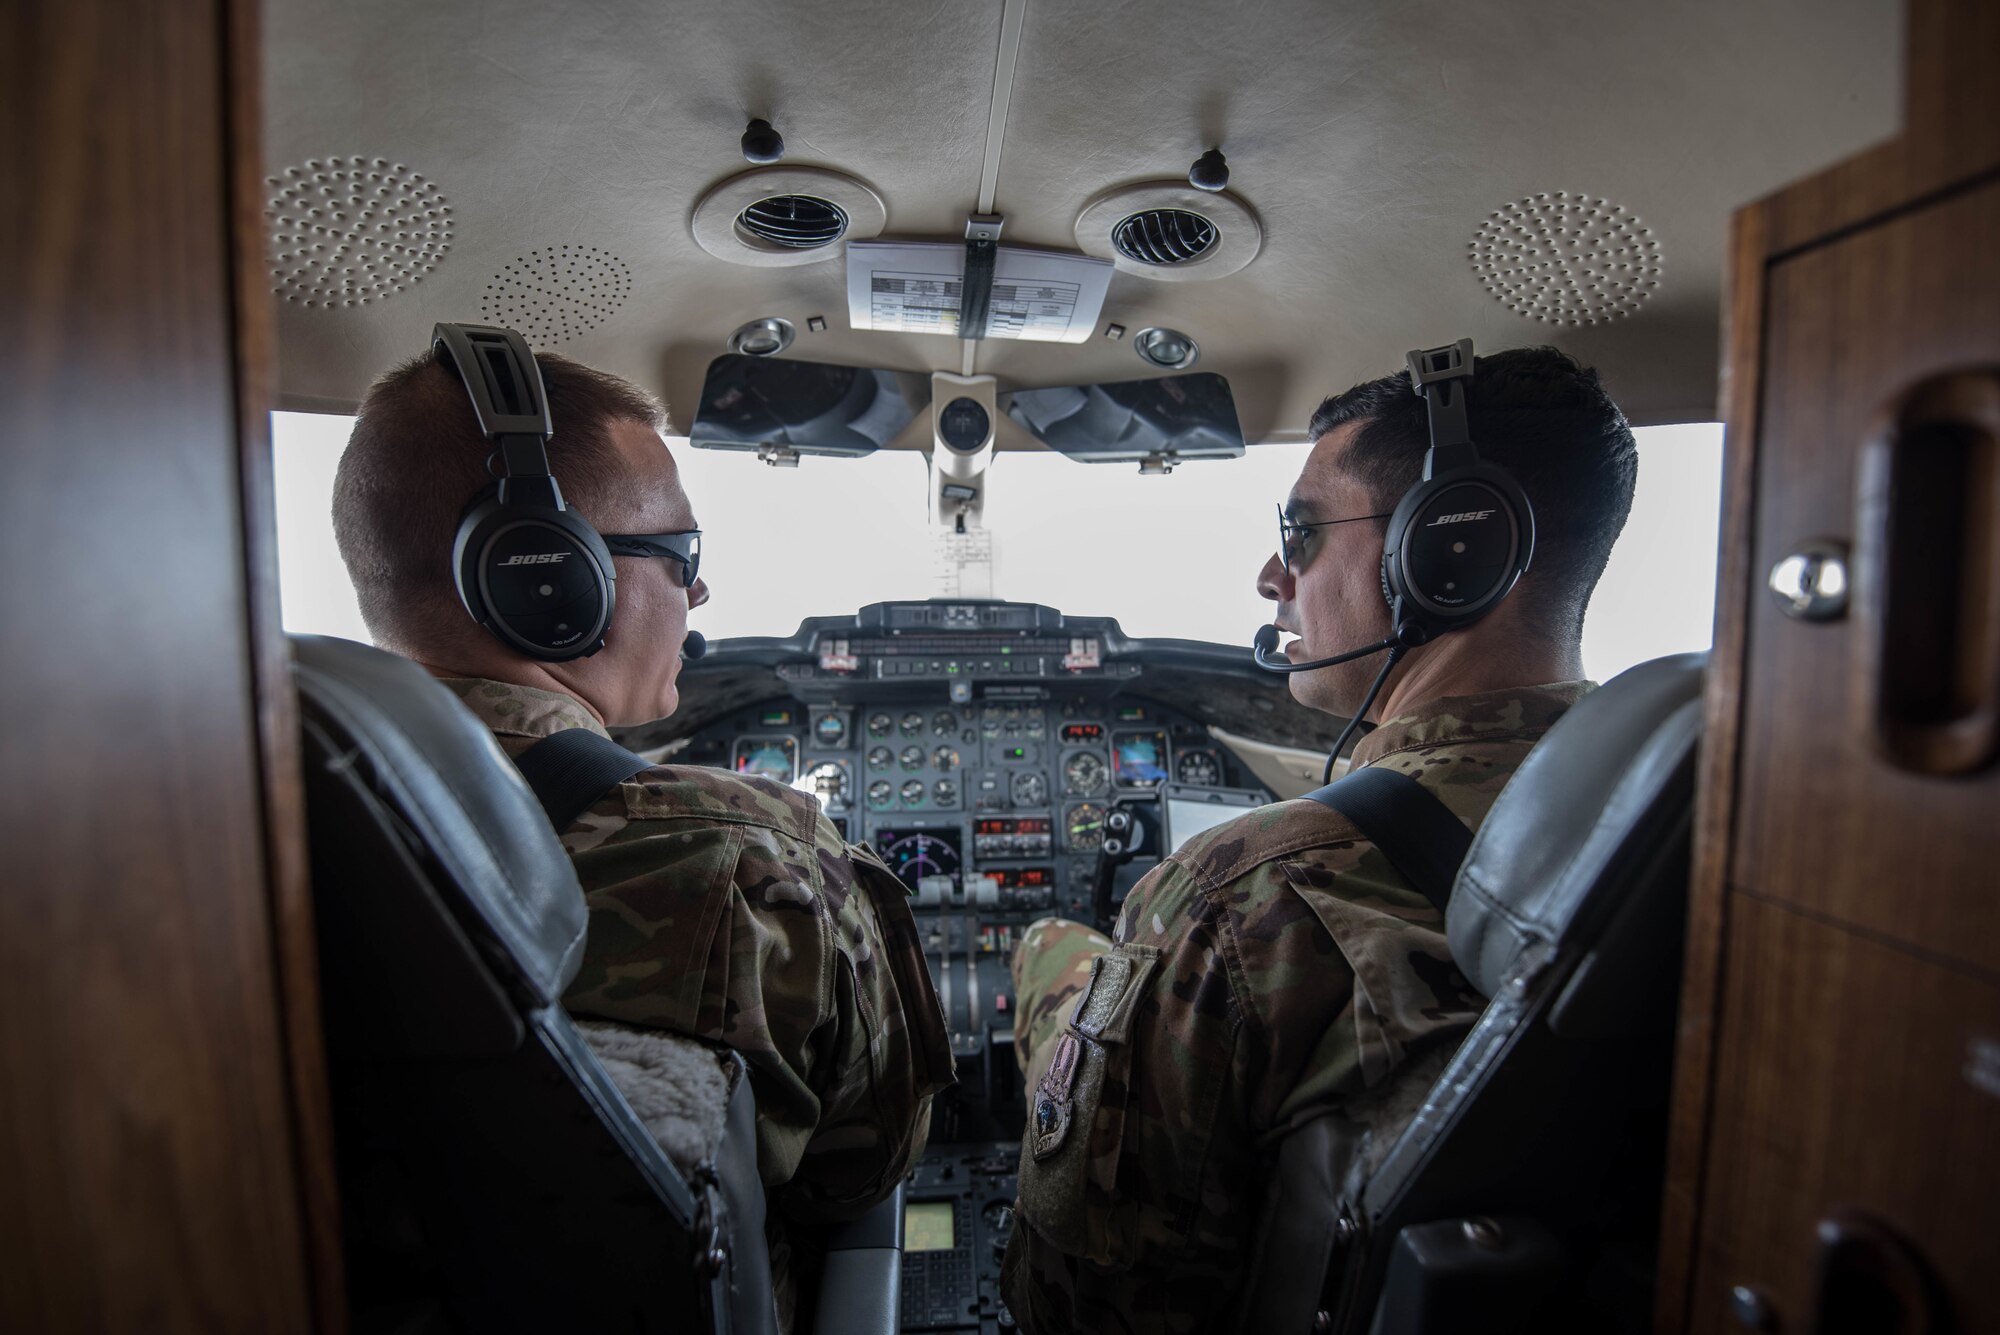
{"x": 916, "y": 287}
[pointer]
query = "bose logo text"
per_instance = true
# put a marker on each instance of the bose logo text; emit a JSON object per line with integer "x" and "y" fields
{"x": 544, "y": 559}
{"x": 1458, "y": 518}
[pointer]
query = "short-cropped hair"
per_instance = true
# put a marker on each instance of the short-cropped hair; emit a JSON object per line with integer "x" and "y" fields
{"x": 416, "y": 461}
{"x": 1547, "y": 420}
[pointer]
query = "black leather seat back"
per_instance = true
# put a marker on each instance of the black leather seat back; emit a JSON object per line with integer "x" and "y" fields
{"x": 493, "y": 1178}
{"x": 1568, "y": 915}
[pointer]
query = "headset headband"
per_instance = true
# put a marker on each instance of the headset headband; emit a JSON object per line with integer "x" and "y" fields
{"x": 509, "y": 402}
{"x": 1435, "y": 374}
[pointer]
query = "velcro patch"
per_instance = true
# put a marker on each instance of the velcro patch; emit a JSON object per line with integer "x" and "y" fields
{"x": 1117, "y": 982}
{"x": 1055, "y": 1098}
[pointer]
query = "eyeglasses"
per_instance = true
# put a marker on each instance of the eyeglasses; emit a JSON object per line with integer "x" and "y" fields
{"x": 1292, "y": 536}
{"x": 682, "y": 547}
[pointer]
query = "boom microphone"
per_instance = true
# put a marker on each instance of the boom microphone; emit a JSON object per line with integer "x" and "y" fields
{"x": 694, "y": 646}
{"x": 1267, "y": 640}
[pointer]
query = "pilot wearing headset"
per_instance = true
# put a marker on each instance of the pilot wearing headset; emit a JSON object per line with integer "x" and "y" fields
{"x": 516, "y": 525}
{"x": 1280, "y": 968}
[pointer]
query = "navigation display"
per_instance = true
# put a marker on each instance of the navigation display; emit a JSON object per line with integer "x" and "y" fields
{"x": 913, "y": 854}
{"x": 1139, "y": 759}
{"x": 772, "y": 757}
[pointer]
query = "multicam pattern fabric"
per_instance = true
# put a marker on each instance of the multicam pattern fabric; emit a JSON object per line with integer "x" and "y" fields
{"x": 1275, "y": 970}
{"x": 726, "y": 907}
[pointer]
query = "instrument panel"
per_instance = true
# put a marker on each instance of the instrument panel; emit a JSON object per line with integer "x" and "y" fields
{"x": 997, "y": 805}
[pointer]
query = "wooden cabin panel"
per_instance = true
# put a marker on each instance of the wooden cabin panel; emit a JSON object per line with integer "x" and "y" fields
{"x": 1829, "y": 819}
{"x": 1912, "y": 1138}
{"x": 147, "y": 1157}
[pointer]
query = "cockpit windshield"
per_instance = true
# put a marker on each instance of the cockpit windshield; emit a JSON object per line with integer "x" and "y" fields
{"x": 1172, "y": 556}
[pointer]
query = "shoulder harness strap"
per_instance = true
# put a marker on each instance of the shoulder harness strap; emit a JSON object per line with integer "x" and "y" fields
{"x": 1414, "y": 829}
{"x": 570, "y": 770}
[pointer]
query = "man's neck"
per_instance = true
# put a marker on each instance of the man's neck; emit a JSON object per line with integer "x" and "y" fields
{"x": 515, "y": 672}
{"x": 1465, "y": 664}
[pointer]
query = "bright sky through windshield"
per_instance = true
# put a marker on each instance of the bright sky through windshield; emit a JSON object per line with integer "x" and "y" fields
{"x": 1168, "y": 556}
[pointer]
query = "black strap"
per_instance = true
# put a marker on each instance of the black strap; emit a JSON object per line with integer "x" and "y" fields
{"x": 570, "y": 770}
{"x": 1407, "y": 821}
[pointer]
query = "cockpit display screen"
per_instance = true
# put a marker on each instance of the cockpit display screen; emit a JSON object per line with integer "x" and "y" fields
{"x": 927, "y": 1227}
{"x": 748, "y": 403}
{"x": 1139, "y": 759}
{"x": 915, "y": 854}
{"x": 771, "y": 757}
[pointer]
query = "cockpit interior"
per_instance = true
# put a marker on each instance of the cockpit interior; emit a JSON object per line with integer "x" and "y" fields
{"x": 988, "y": 334}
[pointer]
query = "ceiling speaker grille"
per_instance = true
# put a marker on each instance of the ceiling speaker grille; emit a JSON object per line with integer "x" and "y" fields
{"x": 1567, "y": 259}
{"x": 557, "y": 293}
{"x": 797, "y": 222}
{"x": 1164, "y": 236}
{"x": 348, "y": 231}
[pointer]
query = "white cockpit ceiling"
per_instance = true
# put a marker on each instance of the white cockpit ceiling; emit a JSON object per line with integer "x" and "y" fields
{"x": 1371, "y": 140}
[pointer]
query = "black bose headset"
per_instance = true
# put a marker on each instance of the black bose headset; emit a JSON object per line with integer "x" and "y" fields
{"x": 1456, "y": 544}
{"x": 529, "y": 569}
{"x": 1461, "y": 537}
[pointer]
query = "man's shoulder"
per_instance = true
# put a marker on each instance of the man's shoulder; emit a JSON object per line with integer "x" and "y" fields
{"x": 700, "y": 792}
{"x": 1276, "y": 832}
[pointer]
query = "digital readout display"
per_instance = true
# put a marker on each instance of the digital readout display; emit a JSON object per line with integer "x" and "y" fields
{"x": 1139, "y": 759}
{"x": 1083, "y": 732}
{"x": 1014, "y": 825}
{"x": 928, "y": 1227}
{"x": 1017, "y": 878}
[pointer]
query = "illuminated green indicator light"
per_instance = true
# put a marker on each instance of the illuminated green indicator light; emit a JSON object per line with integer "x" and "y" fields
{"x": 1130, "y": 714}
{"x": 1005, "y": 650}
{"x": 777, "y": 718}
{"x": 951, "y": 669}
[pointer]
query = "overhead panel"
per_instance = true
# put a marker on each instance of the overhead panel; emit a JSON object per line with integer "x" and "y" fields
{"x": 549, "y": 163}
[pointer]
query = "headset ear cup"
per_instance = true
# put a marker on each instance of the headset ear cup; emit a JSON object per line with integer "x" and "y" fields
{"x": 540, "y": 581}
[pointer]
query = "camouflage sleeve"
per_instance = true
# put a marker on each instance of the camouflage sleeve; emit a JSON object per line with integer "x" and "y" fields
{"x": 790, "y": 951}
{"x": 1226, "y": 1012}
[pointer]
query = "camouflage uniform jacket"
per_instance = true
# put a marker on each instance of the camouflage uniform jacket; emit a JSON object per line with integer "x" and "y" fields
{"x": 726, "y": 907}
{"x": 1274, "y": 970}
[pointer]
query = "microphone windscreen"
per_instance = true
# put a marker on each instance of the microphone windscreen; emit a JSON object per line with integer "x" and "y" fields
{"x": 1266, "y": 640}
{"x": 694, "y": 646}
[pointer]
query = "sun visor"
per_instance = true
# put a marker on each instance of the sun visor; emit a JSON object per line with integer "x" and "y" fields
{"x": 1156, "y": 423}
{"x": 782, "y": 409}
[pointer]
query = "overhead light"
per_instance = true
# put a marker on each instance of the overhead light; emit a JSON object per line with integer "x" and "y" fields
{"x": 1168, "y": 348}
{"x": 762, "y": 338}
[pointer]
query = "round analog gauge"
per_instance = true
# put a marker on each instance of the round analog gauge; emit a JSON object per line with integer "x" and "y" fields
{"x": 826, "y": 781}
{"x": 1029, "y": 789}
{"x": 880, "y": 757}
{"x": 1198, "y": 767}
{"x": 913, "y": 724}
{"x": 944, "y": 723}
{"x": 1084, "y": 774}
{"x": 1084, "y": 827}
{"x": 880, "y": 725}
{"x": 944, "y": 758}
{"x": 945, "y": 792}
{"x": 830, "y": 730}
{"x": 1035, "y": 726}
{"x": 913, "y": 757}
{"x": 989, "y": 721}
{"x": 881, "y": 793}
{"x": 913, "y": 793}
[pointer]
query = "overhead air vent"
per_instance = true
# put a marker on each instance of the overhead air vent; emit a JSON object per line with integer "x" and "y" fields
{"x": 1164, "y": 236}
{"x": 773, "y": 217}
{"x": 1170, "y": 232}
{"x": 801, "y": 222}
